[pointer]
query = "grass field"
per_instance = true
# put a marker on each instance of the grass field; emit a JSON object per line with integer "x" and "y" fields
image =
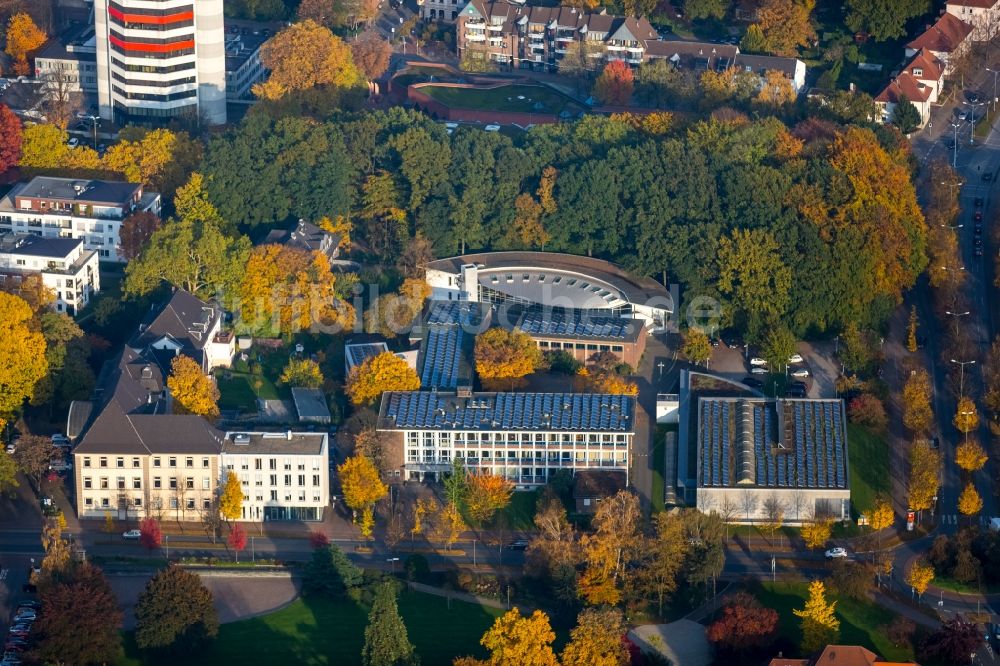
{"x": 868, "y": 458}
{"x": 516, "y": 98}
{"x": 327, "y": 632}
{"x": 861, "y": 623}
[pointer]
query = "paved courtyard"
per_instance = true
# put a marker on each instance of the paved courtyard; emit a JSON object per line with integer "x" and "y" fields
{"x": 237, "y": 595}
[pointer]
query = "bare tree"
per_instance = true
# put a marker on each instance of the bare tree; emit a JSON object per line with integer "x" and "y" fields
{"x": 798, "y": 503}
{"x": 748, "y": 502}
{"x": 61, "y": 96}
{"x": 728, "y": 509}
{"x": 774, "y": 510}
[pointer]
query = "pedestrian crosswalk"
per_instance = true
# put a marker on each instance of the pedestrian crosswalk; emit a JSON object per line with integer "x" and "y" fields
{"x": 955, "y": 519}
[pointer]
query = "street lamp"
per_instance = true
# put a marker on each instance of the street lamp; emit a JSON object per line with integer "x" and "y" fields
{"x": 392, "y": 561}
{"x": 956, "y": 314}
{"x": 94, "y": 122}
{"x": 954, "y": 145}
{"x": 994, "y": 72}
{"x": 961, "y": 379}
{"x": 972, "y": 120}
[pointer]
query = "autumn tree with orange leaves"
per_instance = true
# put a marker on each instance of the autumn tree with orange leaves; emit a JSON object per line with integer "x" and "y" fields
{"x": 304, "y": 56}
{"x": 608, "y": 548}
{"x": 603, "y": 376}
{"x": 291, "y": 289}
{"x": 518, "y": 640}
{"x": 486, "y": 494}
{"x": 192, "y": 390}
{"x": 378, "y": 374}
{"x": 504, "y": 357}
{"x": 615, "y": 84}
{"x": 23, "y": 37}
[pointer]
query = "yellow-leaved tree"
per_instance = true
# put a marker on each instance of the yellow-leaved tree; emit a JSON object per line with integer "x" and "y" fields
{"x": 919, "y": 576}
{"x": 192, "y": 390}
{"x": 966, "y": 417}
{"x": 820, "y": 626}
{"x": 969, "y": 502}
{"x": 924, "y": 465}
{"x": 596, "y": 640}
{"x": 486, "y": 494}
{"x": 970, "y": 456}
{"x": 23, "y": 37}
{"x": 159, "y": 158}
{"x": 362, "y": 486}
{"x": 816, "y": 532}
{"x": 607, "y": 550}
{"x": 231, "y": 498}
{"x": 524, "y": 641}
{"x": 917, "y": 412}
{"x": 303, "y": 56}
{"x": 22, "y": 354}
{"x": 302, "y": 372}
{"x": 378, "y": 374}
{"x": 504, "y": 357}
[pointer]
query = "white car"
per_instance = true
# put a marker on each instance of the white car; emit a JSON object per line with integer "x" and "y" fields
{"x": 60, "y": 440}
{"x": 131, "y": 534}
{"x": 492, "y": 128}
{"x": 835, "y": 553}
{"x": 756, "y": 360}
{"x": 795, "y": 358}
{"x": 759, "y": 371}
{"x": 800, "y": 373}
{"x": 451, "y": 125}
{"x": 73, "y": 142}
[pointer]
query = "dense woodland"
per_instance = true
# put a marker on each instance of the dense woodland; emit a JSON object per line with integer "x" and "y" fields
{"x": 815, "y": 225}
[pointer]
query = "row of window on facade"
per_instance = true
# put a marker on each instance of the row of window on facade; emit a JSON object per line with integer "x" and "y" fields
{"x": 156, "y": 503}
{"x": 172, "y": 461}
{"x": 565, "y": 457}
{"x": 272, "y": 464}
{"x": 431, "y": 438}
{"x": 173, "y": 483}
{"x": 273, "y": 479}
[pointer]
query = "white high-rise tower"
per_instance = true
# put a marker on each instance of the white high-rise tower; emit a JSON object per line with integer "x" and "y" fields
{"x": 160, "y": 59}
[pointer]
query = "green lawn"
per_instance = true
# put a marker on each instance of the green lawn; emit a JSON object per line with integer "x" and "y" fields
{"x": 517, "y": 98}
{"x": 236, "y": 393}
{"x": 868, "y": 458}
{"x": 861, "y": 623}
{"x": 325, "y": 632}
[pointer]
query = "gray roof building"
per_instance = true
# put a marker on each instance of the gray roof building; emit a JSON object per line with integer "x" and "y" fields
{"x": 311, "y": 405}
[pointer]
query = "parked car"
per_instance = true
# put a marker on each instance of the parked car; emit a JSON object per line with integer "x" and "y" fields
{"x": 978, "y": 242}
{"x": 978, "y": 202}
{"x": 73, "y": 142}
{"x": 60, "y": 440}
{"x": 756, "y": 360}
{"x": 753, "y": 382}
{"x": 978, "y": 216}
{"x": 971, "y": 96}
{"x": 978, "y": 251}
{"x": 492, "y": 128}
{"x": 801, "y": 372}
{"x": 131, "y": 534}
{"x": 795, "y": 358}
{"x": 961, "y": 114}
{"x": 835, "y": 553}
{"x": 518, "y": 544}
{"x": 11, "y": 448}
{"x": 759, "y": 371}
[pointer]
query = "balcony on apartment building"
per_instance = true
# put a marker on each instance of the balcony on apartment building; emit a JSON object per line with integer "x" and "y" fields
{"x": 475, "y": 35}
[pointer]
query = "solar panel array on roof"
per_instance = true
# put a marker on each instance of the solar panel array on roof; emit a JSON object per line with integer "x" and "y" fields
{"x": 538, "y": 321}
{"x": 362, "y": 352}
{"x": 441, "y": 358}
{"x": 815, "y": 456}
{"x": 571, "y": 412}
{"x": 454, "y": 313}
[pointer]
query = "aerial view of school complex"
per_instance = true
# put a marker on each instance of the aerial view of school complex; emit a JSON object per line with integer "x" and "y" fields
{"x": 500, "y": 332}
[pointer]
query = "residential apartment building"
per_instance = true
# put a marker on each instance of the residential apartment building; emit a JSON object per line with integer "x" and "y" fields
{"x": 88, "y": 210}
{"x": 525, "y": 437}
{"x": 66, "y": 269}
{"x": 190, "y": 326}
{"x": 515, "y": 36}
{"x": 243, "y": 64}
{"x": 284, "y": 475}
{"x": 982, "y": 15}
{"x": 69, "y": 61}
{"x": 920, "y": 82}
{"x": 161, "y": 60}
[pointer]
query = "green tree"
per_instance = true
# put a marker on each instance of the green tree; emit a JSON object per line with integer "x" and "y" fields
{"x": 456, "y": 484}
{"x": 329, "y": 573}
{"x": 386, "y": 642}
{"x": 703, "y": 9}
{"x": 820, "y": 626}
{"x": 175, "y": 613}
{"x": 905, "y": 115}
{"x": 883, "y": 19}
{"x": 779, "y": 345}
{"x": 192, "y": 251}
{"x": 8, "y": 475}
{"x": 663, "y": 557}
{"x": 231, "y": 499}
{"x": 753, "y": 275}
{"x": 753, "y": 40}
{"x": 696, "y": 346}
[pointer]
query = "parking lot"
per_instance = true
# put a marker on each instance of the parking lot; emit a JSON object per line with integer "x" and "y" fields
{"x": 817, "y": 360}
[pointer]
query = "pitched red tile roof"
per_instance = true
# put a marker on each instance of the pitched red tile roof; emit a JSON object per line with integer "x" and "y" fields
{"x": 904, "y": 84}
{"x": 944, "y": 36}
{"x": 977, "y": 4}
{"x": 932, "y": 68}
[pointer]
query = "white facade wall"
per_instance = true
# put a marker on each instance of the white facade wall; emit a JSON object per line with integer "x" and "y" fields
{"x": 525, "y": 458}
{"x": 984, "y": 20}
{"x": 798, "y": 504}
{"x": 72, "y": 286}
{"x": 138, "y": 86}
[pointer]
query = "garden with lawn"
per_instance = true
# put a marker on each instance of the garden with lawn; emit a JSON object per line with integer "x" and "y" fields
{"x": 868, "y": 462}
{"x": 323, "y": 631}
{"x": 861, "y": 622}
{"x": 508, "y": 98}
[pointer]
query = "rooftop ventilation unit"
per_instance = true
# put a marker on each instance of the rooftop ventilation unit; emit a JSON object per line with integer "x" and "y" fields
{"x": 241, "y": 439}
